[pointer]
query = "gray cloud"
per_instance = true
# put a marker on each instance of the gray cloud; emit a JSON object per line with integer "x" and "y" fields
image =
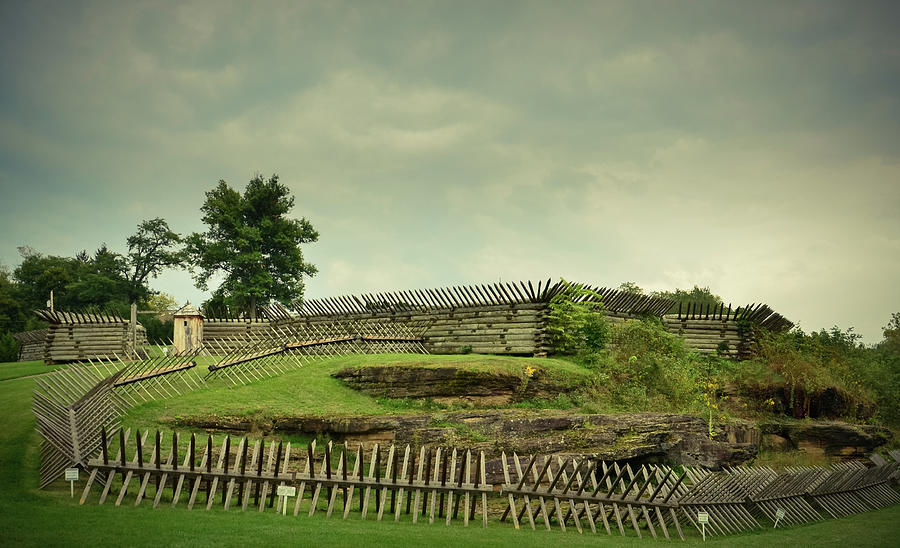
{"x": 751, "y": 148}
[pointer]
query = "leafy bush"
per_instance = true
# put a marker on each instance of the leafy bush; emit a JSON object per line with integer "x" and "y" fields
{"x": 639, "y": 366}
{"x": 646, "y": 368}
{"x": 646, "y": 363}
{"x": 809, "y": 364}
{"x": 882, "y": 373}
{"x": 575, "y": 321}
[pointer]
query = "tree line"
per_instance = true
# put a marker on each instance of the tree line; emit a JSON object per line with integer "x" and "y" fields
{"x": 250, "y": 241}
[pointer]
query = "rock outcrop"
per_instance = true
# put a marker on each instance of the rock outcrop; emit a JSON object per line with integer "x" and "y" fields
{"x": 450, "y": 384}
{"x": 637, "y": 438}
{"x": 831, "y": 438}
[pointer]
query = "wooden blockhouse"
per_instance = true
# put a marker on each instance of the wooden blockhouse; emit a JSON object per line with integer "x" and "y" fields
{"x": 76, "y": 336}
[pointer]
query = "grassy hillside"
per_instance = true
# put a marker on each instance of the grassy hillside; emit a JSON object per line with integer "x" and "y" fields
{"x": 50, "y": 518}
{"x": 310, "y": 390}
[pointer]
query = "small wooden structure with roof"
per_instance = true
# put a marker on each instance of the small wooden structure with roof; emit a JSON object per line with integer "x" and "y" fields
{"x": 188, "y": 329}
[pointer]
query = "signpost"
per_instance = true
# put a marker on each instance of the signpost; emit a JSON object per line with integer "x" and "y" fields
{"x": 779, "y": 514}
{"x": 703, "y": 519}
{"x": 72, "y": 477}
{"x": 285, "y": 491}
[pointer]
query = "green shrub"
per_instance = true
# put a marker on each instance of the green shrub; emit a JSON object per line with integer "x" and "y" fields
{"x": 575, "y": 321}
{"x": 644, "y": 368}
{"x": 808, "y": 364}
{"x": 648, "y": 362}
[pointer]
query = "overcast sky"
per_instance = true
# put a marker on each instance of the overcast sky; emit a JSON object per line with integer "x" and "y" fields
{"x": 750, "y": 147}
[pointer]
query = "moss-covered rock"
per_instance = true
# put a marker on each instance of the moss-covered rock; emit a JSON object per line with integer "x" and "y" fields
{"x": 828, "y": 438}
{"x": 638, "y": 438}
{"x": 443, "y": 383}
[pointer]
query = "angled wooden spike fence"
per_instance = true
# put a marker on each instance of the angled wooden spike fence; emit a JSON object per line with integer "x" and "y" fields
{"x": 853, "y": 488}
{"x": 442, "y": 484}
{"x": 164, "y": 375}
{"x": 722, "y": 496}
{"x": 72, "y": 406}
{"x": 771, "y": 491}
{"x": 449, "y": 484}
{"x": 281, "y": 347}
{"x": 468, "y": 296}
{"x": 587, "y": 493}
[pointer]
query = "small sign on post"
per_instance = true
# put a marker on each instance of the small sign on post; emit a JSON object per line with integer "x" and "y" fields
{"x": 72, "y": 477}
{"x": 285, "y": 491}
{"x": 703, "y": 519}
{"x": 779, "y": 515}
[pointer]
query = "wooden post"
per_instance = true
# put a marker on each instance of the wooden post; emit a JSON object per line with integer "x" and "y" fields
{"x": 103, "y": 444}
{"x": 134, "y": 329}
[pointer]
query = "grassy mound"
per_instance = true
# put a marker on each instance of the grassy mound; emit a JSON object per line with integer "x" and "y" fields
{"x": 311, "y": 390}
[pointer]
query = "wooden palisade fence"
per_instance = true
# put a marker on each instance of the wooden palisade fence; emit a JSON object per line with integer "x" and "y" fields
{"x": 506, "y": 318}
{"x": 447, "y": 484}
{"x": 440, "y": 483}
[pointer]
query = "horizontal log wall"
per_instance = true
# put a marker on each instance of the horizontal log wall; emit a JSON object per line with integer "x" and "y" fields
{"x": 514, "y": 329}
{"x": 490, "y": 329}
{"x": 709, "y": 336}
{"x": 82, "y": 341}
{"x": 31, "y": 351}
{"x": 222, "y": 336}
{"x": 494, "y": 329}
{"x": 31, "y": 344}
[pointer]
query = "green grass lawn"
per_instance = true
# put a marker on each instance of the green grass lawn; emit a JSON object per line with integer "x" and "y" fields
{"x": 32, "y": 517}
{"x": 14, "y": 370}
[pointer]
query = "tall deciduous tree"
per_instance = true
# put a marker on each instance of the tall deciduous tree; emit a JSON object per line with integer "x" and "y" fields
{"x": 252, "y": 243}
{"x": 150, "y": 250}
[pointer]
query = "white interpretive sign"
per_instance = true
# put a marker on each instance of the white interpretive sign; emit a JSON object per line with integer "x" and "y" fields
{"x": 72, "y": 477}
{"x": 779, "y": 515}
{"x": 285, "y": 491}
{"x": 703, "y": 519}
